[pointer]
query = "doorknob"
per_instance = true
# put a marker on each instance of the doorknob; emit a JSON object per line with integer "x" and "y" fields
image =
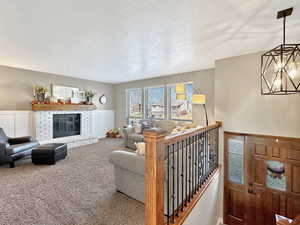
{"x": 250, "y": 188}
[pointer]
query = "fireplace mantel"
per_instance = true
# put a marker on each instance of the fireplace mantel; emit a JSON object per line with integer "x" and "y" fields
{"x": 62, "y": 107}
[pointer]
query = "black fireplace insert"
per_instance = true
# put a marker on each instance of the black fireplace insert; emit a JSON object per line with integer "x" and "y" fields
{"x": 65, "y": 125}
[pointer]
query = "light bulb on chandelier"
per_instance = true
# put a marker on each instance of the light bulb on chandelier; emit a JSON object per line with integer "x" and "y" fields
{"x": 293, "y": 70}
{"x": 277, "y": 83}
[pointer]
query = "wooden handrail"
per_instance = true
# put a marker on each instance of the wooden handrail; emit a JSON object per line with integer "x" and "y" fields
{"x": 156, "y": 141}
{"x": 174, "y": 138}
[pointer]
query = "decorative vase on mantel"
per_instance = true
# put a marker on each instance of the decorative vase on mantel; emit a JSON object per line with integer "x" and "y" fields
{"x": 40, "y": 97}
{"x": 89, "y": 94}
{"x": 89, "y": 100}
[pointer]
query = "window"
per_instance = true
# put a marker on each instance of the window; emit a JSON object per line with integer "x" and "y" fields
{"x": 155, "y": 102}
{"x": 158, "y": 102}
{"x": 134, "y": 104}
{"x": 181, "y": 109}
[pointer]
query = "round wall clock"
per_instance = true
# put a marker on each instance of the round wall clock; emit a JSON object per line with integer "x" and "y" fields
{"x": 103, "y": 99}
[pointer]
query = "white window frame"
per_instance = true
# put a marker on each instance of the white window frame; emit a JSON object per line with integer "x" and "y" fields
{"x": 169, "y": 101}
{"x": 128, "y": 117}
{"x": 146, "y": 101}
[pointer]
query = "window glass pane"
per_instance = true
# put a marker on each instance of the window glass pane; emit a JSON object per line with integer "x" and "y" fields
{"x": 276, "y": 178}
{"x": 181, "y": 109}
{"x": 236, "y": 161}
{"x": 155, "y": 102}
{"x": 135, "y": 103}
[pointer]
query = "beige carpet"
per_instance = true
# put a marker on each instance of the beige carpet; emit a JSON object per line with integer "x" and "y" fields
{"x": 78, "y": 190}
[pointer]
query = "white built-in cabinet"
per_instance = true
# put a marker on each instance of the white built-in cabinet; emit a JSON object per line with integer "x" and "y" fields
{"x": 20, "y": 123}
{"x": 16, "y": 123}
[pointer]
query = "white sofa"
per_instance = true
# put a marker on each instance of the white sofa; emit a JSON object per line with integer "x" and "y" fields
{"x": 129, "y": 173}
{"x": 129, "y": 169}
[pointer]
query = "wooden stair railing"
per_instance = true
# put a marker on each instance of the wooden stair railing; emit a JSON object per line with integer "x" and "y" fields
{"x": 178, "y": 170}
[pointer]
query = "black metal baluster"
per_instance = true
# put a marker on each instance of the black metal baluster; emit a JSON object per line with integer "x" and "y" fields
{"x": 190, "y": 158}
{"x": 207, "y": 165}
{"x": 217, "y": 146}
{"x": 202, "y": 157}
{"x": 192, "y": 167}
{"x": 182, "y": 175}
{"x": 168, "y": 182}
{"x": 196, "y": 163}
{"x": 177, "y": 175}
{"x": 186, "y": 171}
{"x": 198, "y": 172}
{"x": 204, "y": 154}
{"x": 173, "y": 183}
{"x": 212, "y": 149}
{"x": 207, "y": 155}
{"x": 206, "y": 150}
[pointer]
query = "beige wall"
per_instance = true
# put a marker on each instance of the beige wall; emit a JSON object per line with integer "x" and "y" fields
{"x": 203, "y": 80}
{"x": 16, "y": 87}
{"x": 206, "y": 210}
{"x": 241, "y": 107}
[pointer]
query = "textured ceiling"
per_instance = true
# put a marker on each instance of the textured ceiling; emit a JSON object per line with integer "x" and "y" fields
{"x": 121, "y": 40}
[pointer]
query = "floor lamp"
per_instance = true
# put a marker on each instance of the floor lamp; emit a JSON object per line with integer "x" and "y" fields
{"x": 200, "y": 100}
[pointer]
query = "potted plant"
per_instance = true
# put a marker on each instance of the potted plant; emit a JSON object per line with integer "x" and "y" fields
{"x": 89, "y": 94}
{"x": 40, "y": 93}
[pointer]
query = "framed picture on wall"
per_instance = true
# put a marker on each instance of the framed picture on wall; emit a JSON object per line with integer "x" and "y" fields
{"x": 66, "y": 92}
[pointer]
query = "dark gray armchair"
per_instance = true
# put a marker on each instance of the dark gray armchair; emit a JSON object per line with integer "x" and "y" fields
{"x": 12, "y": 149}
{"x": 130, "y": 138}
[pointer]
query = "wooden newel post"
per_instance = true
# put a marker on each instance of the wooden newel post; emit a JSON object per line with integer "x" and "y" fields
{"x": 154, "y": 177}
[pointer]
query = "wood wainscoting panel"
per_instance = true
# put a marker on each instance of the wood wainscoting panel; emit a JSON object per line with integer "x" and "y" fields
{"x": 296, "y": 179}
{"x": 259, "y": 168}
{"x": 236, "y": 204}
{"x": 293, "y": 154}
{"x": 261, "y": 149}
{"x": 293, "y": 207}
{"x": 276, "y": 152}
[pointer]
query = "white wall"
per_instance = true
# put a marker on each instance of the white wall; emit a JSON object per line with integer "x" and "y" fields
{"x": 206, "y": 211}
{"x": 241, "y": 107}
{"x": 104, "y": 121}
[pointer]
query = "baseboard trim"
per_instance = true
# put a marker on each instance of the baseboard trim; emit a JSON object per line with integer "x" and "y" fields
{"x": 220, "y": 221}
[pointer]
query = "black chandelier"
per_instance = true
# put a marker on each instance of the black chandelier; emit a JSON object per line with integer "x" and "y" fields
{"x": 280, "y": 67}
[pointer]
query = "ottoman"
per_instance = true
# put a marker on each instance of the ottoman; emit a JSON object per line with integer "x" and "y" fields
{"x": 49, "y": 153}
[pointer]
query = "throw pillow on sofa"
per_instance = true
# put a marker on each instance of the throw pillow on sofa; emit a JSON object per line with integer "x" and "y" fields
{"x": 140, "y": 148}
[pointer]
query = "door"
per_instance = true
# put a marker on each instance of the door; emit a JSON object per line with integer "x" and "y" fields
{"x": 234, "y": 180}
{"x": 271, "y": 179}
